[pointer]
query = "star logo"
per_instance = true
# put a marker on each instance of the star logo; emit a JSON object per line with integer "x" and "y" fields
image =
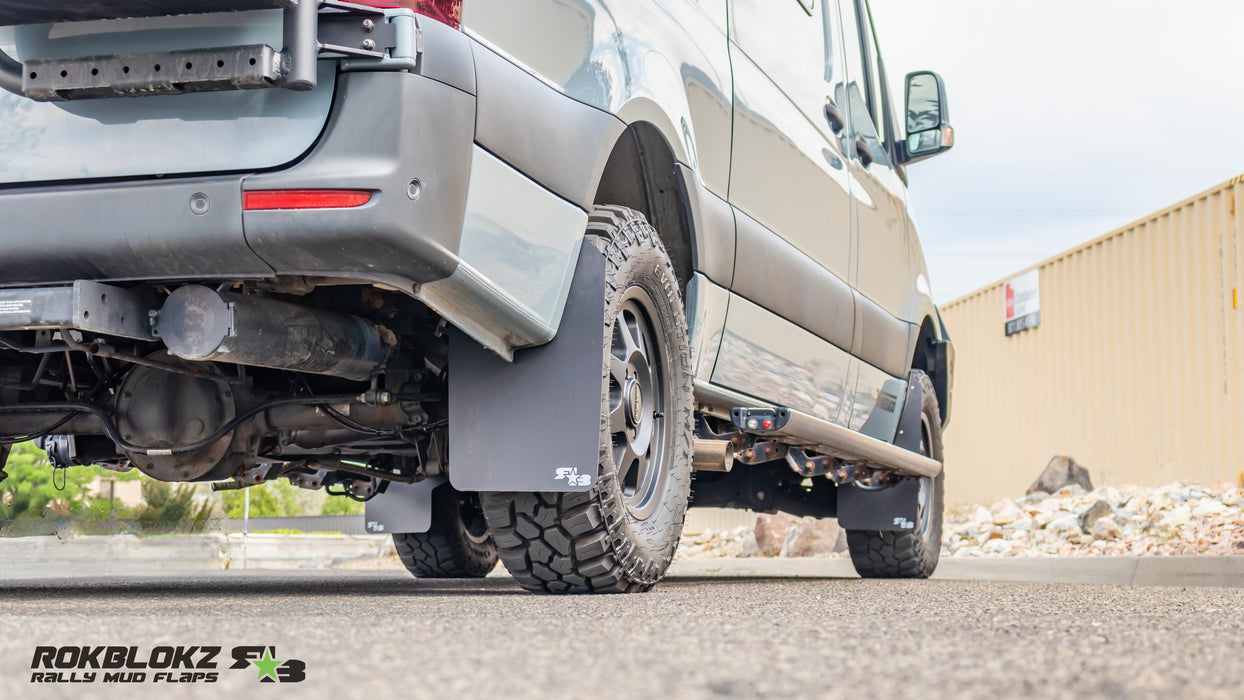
{"x": 267, "y": 667}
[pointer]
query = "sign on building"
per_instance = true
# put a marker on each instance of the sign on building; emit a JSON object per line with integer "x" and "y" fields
{"x": 1023, "y": 302}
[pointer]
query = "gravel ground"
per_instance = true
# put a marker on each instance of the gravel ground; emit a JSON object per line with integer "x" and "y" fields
{"x": 379, "y": 634}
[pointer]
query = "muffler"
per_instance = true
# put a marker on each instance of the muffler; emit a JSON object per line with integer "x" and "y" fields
{"x": 198, "y": 323}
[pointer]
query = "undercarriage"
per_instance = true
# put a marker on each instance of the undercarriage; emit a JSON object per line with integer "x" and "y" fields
{"x": 330, "y": 384}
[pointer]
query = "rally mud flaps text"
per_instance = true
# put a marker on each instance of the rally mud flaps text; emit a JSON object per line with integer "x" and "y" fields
{"x": 162, "y": 664}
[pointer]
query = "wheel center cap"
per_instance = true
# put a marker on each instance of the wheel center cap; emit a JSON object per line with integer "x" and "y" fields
{"x": 635, "y": 403}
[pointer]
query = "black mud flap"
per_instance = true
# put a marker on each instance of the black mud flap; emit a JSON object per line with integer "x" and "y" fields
{"x": 402, "y": 508}
{"x": 532, "y": 424}
{"x": 894, "y": 508}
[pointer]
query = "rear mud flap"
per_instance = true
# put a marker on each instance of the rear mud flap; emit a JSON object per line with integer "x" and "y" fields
{"x": 894, "y": 509}
{"x": 402, "y": 508}
{"x": 532, "y": 424}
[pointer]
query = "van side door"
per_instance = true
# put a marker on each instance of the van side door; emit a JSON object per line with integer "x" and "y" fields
{"x": 790, "y": 324}
{"x": 881, "y": 276}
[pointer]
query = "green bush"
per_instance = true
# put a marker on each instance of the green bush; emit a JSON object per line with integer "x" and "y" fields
{"x": 33, "y": 491}
{"x": 29, "y": 492}
{"x": 172, "y": 507}
{"x": 271, "y": 499}
{"x": 341, "y": 505}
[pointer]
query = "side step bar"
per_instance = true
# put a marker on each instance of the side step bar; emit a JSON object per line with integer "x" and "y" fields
{"x": 794, "y": 427}
{"x": 814, "y": 433}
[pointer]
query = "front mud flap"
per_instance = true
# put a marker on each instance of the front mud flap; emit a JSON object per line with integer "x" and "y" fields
{"x": 402, "y": 508}
{"x": 533, "y": 424}
{"x": 893, "y": 509}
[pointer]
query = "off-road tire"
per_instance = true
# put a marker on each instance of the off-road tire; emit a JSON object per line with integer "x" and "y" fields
{"x": 594, "y": 542}
{"x": 908, "y": 554}
{"x": 453, "y": 547}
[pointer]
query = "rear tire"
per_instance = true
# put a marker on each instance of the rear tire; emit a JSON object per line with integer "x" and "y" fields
{"x": 458, "y": 545}
{"x": 620, "y": 536}
{"x": 909, "y": 554}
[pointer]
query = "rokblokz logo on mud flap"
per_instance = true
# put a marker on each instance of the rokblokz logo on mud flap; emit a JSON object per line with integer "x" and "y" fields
{"x": 162, "y": 664}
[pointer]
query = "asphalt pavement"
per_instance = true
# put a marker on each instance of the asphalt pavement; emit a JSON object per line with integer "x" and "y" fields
{"x": 383, "y": 634}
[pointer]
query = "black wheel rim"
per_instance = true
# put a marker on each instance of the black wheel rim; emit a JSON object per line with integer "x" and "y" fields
{"x": 638, "y": 403}
{"x": 924, "y": 497}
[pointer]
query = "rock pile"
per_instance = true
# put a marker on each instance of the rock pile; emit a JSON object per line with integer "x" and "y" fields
{"x": 777, "y": 535}
{"x": 1179, "y": 518}
{"x": 715, "y": 544}
{"x": 1060, "y": 472}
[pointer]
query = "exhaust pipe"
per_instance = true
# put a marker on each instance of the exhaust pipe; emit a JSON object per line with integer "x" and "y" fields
{"x": 198, "y": 323}
{"x": 712, "y": 455}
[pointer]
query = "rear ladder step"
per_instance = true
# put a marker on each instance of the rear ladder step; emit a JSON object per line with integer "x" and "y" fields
{"x": 345, "y": 29}
{"x": 17, "y": 12}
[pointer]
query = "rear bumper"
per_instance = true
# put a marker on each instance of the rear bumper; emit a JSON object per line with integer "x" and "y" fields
{"x": 147, "y": 230}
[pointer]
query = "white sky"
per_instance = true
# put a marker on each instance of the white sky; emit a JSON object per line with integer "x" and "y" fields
{"x": 1072, "y": 118}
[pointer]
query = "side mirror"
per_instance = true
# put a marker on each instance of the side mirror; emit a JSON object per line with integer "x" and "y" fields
{"x": 928, "y": 117}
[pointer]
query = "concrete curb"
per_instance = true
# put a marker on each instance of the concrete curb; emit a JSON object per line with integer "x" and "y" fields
{"x": 1226, "y": 571}
{"x": 118, "y": 554}
{"x": 47, "y": 556}
{"x": 302, "y": 551}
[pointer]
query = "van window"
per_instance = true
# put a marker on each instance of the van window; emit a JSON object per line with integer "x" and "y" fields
{"x": 786, "y": 40}
{"x": 878, "y": 97}
{"x": 865, "y": 121}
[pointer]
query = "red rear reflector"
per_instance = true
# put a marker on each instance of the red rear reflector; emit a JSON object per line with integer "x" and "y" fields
{"x": 304, "y": 199}
{"x": 447, "y": 11}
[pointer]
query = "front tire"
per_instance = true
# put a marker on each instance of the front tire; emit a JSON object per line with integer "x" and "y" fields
{"x": 909, "y": 554}
{"x": 620, "y": 536}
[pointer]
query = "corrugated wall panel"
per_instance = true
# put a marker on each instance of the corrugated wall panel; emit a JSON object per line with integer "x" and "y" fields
{"x": 1136, "y": 369}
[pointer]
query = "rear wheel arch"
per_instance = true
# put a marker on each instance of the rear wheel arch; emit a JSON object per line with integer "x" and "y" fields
{"x": 644, "y": 174}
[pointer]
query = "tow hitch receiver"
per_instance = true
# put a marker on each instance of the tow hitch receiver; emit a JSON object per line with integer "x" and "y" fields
{"x": 200, "y": 324}
{"x": 88, "y": 306}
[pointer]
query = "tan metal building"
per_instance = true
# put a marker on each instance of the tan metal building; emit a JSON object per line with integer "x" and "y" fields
{"x": 1136, "y": 367}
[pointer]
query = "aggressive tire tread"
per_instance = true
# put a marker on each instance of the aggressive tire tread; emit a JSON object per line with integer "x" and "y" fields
{"x": 445, "y": 550}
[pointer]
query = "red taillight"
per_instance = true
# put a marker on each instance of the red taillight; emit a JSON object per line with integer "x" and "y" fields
{"x": 304, "y": 199}
{"x": 447, "y": 11}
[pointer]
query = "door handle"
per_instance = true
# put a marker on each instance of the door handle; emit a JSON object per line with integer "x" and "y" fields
{"x": 834, "y": 116}
{"x": 863, "y": 152}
